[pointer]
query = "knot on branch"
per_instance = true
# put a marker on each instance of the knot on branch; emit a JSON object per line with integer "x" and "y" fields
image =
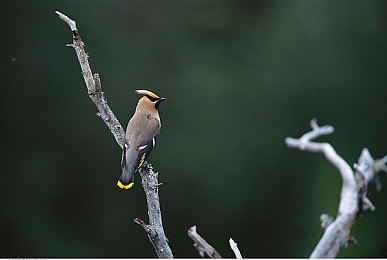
{"x": 326, "y": 220}
{"x": 97, "y": 87}
{"x": 349, "y": 240}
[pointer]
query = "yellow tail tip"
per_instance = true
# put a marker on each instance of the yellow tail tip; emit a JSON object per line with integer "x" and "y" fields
{"x": 126, "y": 187}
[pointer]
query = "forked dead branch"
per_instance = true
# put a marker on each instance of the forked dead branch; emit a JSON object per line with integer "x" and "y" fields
{"x": 353, "y": 197}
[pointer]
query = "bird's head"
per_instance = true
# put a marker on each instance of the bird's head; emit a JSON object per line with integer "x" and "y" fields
{"x": 150, "y": 100}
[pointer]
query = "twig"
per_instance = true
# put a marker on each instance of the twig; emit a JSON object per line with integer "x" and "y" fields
{"x": 154, "y": 229}
{"x": 204, "y": 249}
{"x": 235, "y": 249}
{"x": 149, "y": 177}
{"x": 353, "y": 198}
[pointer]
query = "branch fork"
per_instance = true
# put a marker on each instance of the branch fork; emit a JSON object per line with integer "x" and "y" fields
{"x": 353, "y": 198}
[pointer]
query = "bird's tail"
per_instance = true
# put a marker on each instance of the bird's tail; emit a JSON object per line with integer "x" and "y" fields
{"x": 126, "y": 180}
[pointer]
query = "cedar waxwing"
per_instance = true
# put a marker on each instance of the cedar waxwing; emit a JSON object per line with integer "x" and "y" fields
{"x": 141, "y": 135}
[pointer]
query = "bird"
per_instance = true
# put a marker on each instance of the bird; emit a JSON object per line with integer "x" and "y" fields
{"x": 141, "y": 134}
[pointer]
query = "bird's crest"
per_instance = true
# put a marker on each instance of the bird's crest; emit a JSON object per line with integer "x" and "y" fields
{"x": 147, "y": 93}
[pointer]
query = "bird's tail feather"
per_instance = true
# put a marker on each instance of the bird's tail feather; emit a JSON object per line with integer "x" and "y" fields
{"x": 125, "y": 184}
{"x": 126, "y": 180}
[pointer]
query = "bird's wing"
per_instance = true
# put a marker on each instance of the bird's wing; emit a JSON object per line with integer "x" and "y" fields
{"x": 151, "y": 129}
{"x": 142, "y": 130}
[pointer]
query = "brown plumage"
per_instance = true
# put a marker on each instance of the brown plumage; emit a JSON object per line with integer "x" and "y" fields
{"x": 141, "y": 135}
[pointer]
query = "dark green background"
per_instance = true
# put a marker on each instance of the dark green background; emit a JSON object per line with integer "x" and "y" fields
{"x": 240, "y": 76}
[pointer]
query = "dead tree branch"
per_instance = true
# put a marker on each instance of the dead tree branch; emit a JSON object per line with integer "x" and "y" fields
{"x": 204, "y": 249}
{"x": 353, "y": 198}
{"x": 93, "y": 84}
{"x": 235, "y": 249}
{"x": 154, "y": 229}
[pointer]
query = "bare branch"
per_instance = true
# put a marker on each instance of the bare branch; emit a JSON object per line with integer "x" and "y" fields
{"x": 71, "y": 23}
{"x": 93, "y": 84}
{"x": 235, "y": 249}
{"x": 353, "y": 198}
{"x": 154, "y": 229}
{"x": 204, "y": 249}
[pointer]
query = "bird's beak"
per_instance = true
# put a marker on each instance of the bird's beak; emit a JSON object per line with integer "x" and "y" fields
{"x": 159, "y": 101}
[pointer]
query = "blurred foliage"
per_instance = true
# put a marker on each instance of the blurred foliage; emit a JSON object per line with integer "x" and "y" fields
{"x": 239, "y": 76}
